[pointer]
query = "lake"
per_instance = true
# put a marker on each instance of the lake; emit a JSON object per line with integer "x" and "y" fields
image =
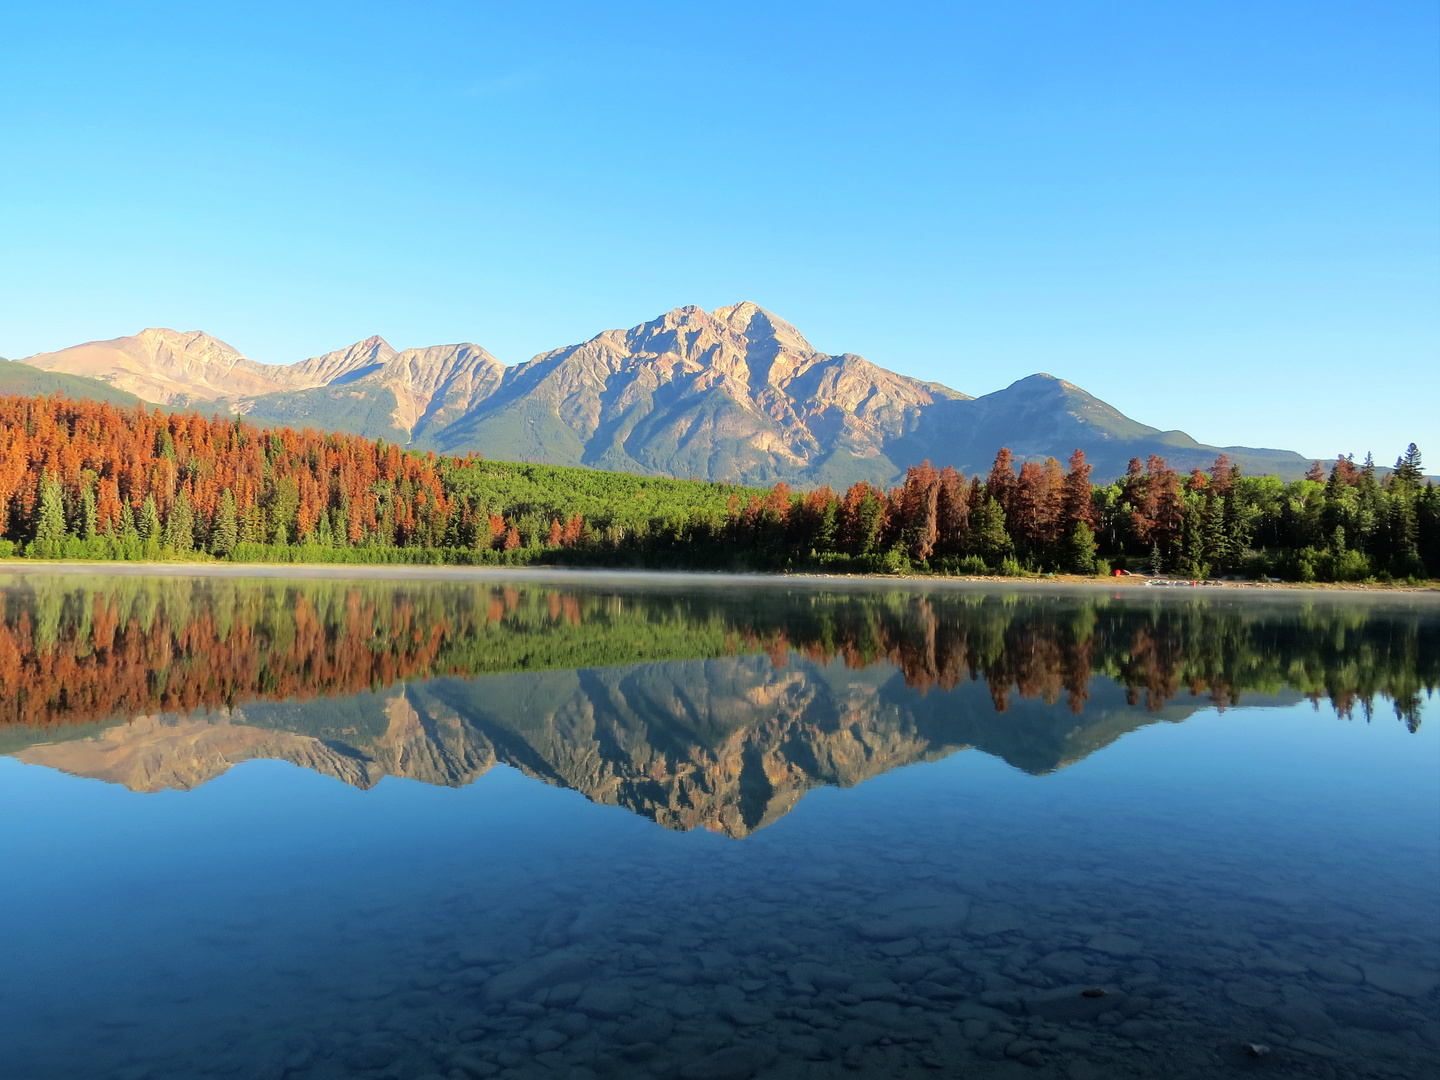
{"x": 309, "y": 826}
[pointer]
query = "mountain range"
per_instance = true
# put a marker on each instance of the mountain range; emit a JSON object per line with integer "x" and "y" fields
{"x": 734, "y": 394}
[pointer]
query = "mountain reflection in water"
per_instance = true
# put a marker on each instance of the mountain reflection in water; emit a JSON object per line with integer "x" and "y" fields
{"x": 705, "y": 708}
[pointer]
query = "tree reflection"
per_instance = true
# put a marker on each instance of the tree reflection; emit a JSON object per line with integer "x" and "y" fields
{"x": 72, "y": 652}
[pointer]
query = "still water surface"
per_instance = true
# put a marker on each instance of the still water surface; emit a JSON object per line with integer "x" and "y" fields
{"x": 266, "y": 828}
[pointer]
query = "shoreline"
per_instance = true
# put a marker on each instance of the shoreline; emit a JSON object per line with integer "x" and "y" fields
{"x": 575, "y": 575}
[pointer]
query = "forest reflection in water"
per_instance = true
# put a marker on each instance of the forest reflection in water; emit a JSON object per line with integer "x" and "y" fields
{"x": 713, "y": 707}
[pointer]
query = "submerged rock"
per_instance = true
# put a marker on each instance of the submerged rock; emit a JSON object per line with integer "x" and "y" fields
{"x": 732, "y": 1063}
{"x": 1072, "y": 1003}
{"x": 550, "y": 970}
{"x": 1405, "y": 981}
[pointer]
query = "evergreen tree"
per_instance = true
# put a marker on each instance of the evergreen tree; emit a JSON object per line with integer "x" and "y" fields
{"x": 1192, "y": 540}
{"x": 988, "y": 537}
{"x": 50, "y": 520}
{"x": 1427, "y": 515}
{"x": 826, "y": 529}
{"x": 1408, "y": 473}
{"x": 88, "y": 518}
{"x": 1079, "y": 549}
{"x": 129, "y": 531}
{"x": 225, "y": 533}
{"x": 868, "y": 519}
{"x": 149, "y": 523}
{"x": 180, "y": 525}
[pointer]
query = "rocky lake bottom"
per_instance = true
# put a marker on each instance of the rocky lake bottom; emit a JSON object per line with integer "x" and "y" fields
{"x": 778, "y": 860}
{"x": 953, "y": 919}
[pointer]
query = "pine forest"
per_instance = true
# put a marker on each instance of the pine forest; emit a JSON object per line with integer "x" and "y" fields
{"x": 88, "y": 480}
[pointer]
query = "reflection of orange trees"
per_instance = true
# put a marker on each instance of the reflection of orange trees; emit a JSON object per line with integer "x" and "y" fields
{"x": 125, "y": 666}
{"x": 71, "y": 654}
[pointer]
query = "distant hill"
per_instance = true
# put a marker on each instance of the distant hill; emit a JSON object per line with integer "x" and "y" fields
{"x": 18, "y": 378}
{"x": 1039, "y": 416}
{"x": 735, "y": 394}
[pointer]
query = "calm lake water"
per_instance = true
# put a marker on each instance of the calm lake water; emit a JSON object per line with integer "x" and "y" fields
{"x": 508, "y": 827}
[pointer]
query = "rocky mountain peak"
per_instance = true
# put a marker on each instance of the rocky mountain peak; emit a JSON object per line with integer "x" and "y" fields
{"x": 736, "y": 394}
{"x": 194, "y": 344}
{"x": 760, "y": 326}
{"x": 353, "y": 362}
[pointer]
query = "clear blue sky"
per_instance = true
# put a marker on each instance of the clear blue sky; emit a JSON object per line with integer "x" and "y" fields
{"x": 1218, "y": 217}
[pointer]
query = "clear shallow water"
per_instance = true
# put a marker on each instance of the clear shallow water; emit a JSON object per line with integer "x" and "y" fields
{"x": 440, "y": 888}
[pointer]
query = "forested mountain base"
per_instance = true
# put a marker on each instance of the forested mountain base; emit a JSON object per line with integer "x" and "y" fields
{"x": 85, "y": 480}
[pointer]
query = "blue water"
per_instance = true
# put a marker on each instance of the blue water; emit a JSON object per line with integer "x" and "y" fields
{"x": 1264, "y": 876}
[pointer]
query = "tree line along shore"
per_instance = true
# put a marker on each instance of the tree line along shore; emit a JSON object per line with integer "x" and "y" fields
{"x": 87, "y": 480}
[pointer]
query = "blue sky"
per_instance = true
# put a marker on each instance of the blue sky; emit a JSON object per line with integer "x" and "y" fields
{"x": 1218, "y": 217}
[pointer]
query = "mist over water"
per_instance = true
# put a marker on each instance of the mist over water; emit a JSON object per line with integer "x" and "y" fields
{"x": 325, "y": 828}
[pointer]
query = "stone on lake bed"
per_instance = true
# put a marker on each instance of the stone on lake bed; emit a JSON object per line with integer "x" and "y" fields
{"x": 551, "y": 970}
{"x": 923, "y": 898}
{"x": 1065, "y": 963}
{"x": 875, "y": 991}
{"x": 573, "y": 1024}
{"x": 1115, "y": 945}
{"x": 745, "y": 1014}
{"x": 903, "y": 947}
{"x": 915, "y": 913}
{"x": 1140, "y": 1029}
{"x": 884, "y": 1013}
{"x": 371, "y": 1055}
{"x": 818, "y": 976}
{"x": 987, "y": 919}
{"x": 806, "y": 1046}
{"x": 936, "y": 991}
{"x": 1071, "y": 1003}
{"x": 473, "y": 1066}
{"x": 606, "y": 1002}
{"x": 1370, "y": 1019}
{"x": 651, "y": 1029}
{"x": 1251, "y": 997}
{"x": 547, "y": 1039}
{"x": 1405, "y": 981}
{"x": 731, "y": 1063}
{"x": 563, "y": 996}
{"x": 1304, "y": 1018}
{"x": 1336, "y": 971}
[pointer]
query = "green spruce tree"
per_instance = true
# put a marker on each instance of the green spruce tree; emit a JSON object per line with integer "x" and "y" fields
{"x": 225, "y": 533}
{"x": 988, "y": 537}
{"x": 88, "y": 517}
{"x": 1079, "y": 549}
{"x": 50, "y": 520}
{"x": 149, "y": 523}
{"x": 180, "y": 526}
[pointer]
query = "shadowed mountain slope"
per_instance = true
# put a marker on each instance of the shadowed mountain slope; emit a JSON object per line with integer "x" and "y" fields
{"x": 17, "y": 378}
